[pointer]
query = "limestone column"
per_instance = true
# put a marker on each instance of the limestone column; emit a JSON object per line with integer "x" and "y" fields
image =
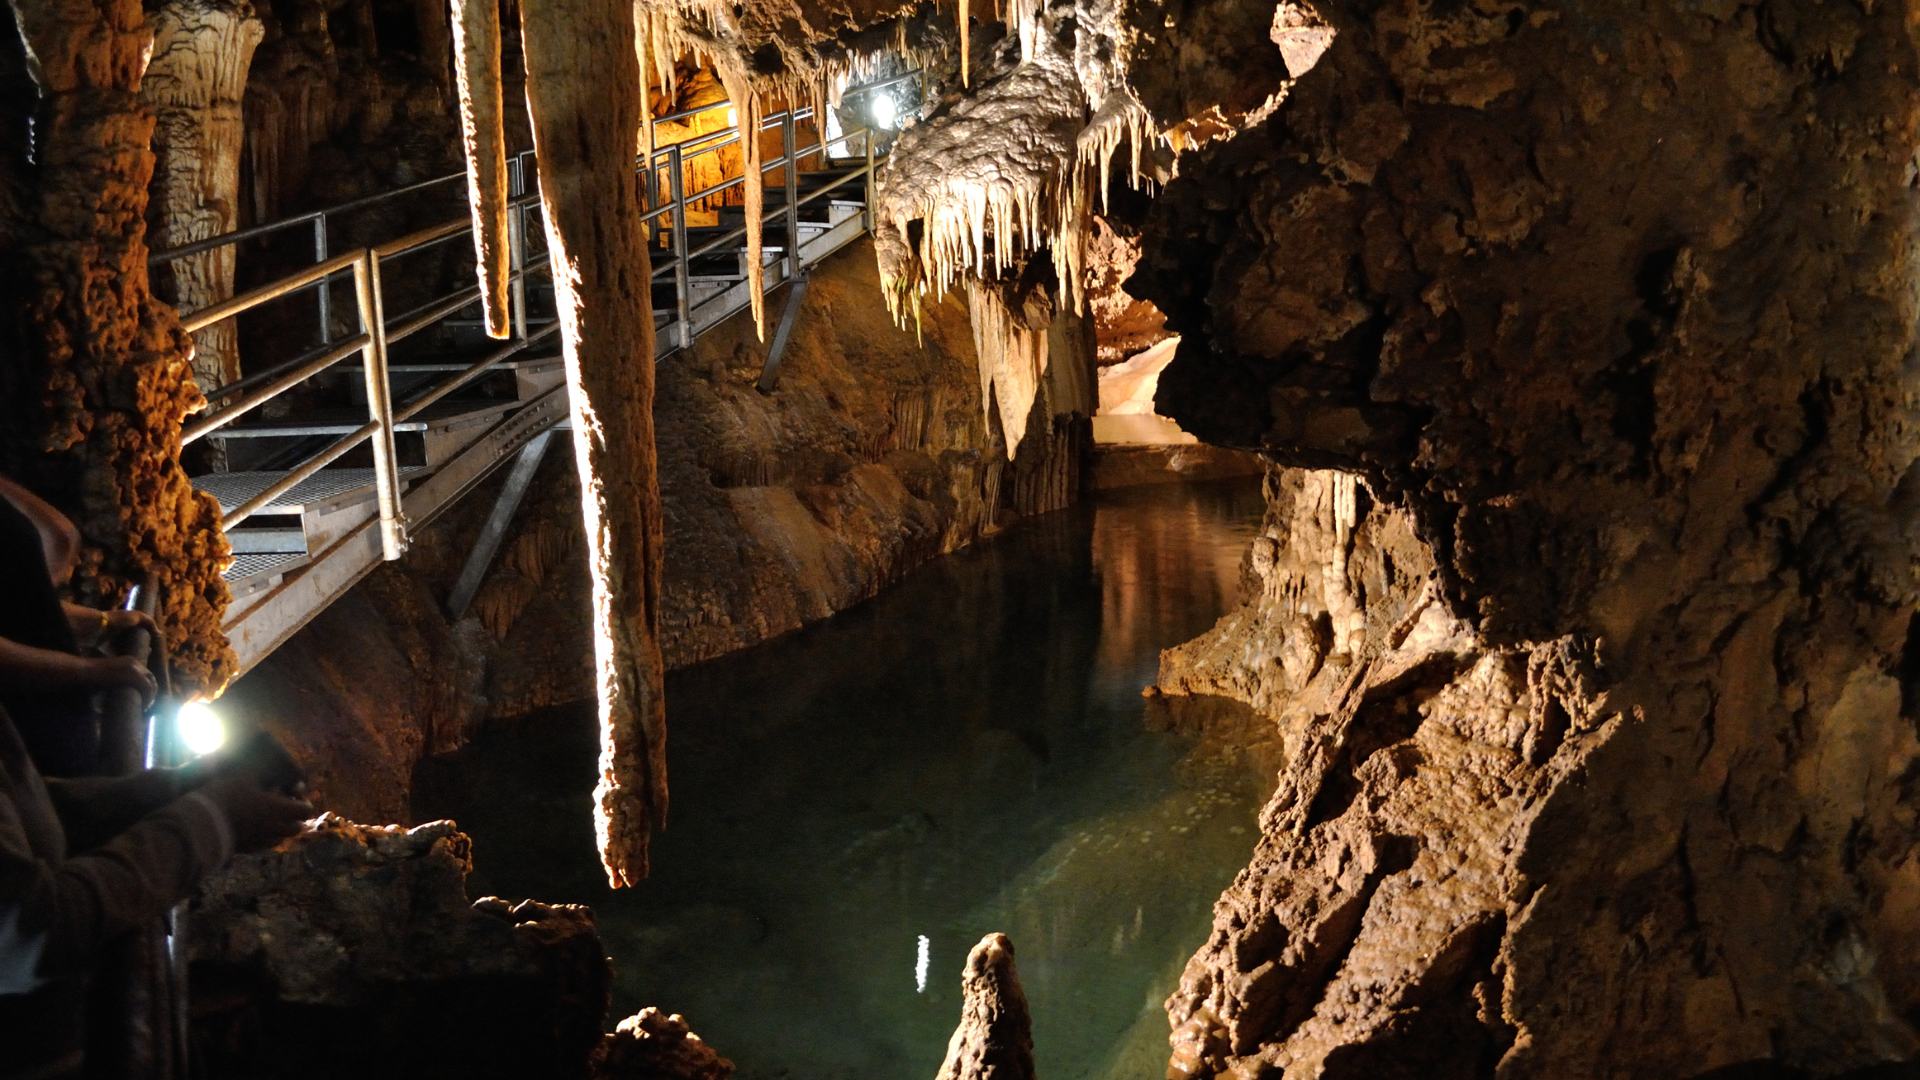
{"x": 194, "y": 84}
{"x": 94, "y": 375}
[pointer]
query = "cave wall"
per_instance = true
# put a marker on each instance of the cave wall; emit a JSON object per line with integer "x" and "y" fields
{"x": 94, "y": 371}
{"x": 1596, "y": 661}
{"x": 872, "y": 456}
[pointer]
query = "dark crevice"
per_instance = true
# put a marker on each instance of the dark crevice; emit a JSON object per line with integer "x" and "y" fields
{"x": 1390, "y": 715}
{"x": 1909, "y": 671}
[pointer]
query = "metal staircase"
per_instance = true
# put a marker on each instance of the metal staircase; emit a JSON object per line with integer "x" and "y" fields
{"x": 331, "y": 455}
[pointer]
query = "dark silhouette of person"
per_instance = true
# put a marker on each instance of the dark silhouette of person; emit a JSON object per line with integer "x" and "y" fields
{"x": 48, "y": 681}
{"x": 87, "y": 860}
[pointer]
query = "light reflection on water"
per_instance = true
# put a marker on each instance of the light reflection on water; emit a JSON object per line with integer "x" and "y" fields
{"x": 856, "y": 805}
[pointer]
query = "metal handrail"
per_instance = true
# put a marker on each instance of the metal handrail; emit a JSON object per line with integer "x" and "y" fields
{"x": 517, "y": 161}
{"x": 376, "y": 332}
{"x": 273, "y": 290}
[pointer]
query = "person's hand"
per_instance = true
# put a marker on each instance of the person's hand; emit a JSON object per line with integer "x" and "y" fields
{"x": 261, "y": 760}
{"x": 112, "y": 672}
{"x": 259, "y": 818}
{"x": 119, "y": 622}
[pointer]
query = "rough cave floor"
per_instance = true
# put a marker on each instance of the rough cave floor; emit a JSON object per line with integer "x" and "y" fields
{"x": 969, "y": 752}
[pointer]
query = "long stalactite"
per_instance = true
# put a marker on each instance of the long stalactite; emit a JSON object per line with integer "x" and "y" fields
{"x": 476, "y": 63}
{"x": 584, "y": 96}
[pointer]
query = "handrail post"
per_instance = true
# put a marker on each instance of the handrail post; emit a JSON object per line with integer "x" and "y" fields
{"x": 386, "y": 474}
{"x": 790, "y": 143}
{"x": 326, "y": 290}
{"x": 683, "y": 310}
{"x": 517, "y": 260}
{"x": 866, "y": 210}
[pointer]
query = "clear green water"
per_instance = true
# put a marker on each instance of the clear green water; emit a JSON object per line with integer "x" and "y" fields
{"x": 967, "y": 753}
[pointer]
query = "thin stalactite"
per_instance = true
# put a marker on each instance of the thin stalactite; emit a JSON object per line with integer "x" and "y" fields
{"x": 476, "y": 53}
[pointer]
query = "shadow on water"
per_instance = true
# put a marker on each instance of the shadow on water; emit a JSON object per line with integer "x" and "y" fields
{"x": 969, "y": 752}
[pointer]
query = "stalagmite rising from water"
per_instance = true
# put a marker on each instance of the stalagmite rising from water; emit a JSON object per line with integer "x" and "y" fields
{"x": 476, "y": 52}
{"x": 584, "y": 93}
{"x": 995, "y": 1038}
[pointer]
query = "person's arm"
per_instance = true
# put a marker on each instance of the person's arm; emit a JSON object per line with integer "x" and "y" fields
{"x": 65, "y": 911}
{"x": 36, "y": 670}
{"x": 94, "y": 809}
{"x": 59, "y": 537}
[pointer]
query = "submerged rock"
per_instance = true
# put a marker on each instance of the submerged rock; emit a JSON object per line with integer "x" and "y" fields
{"x": 650, "y": 1045}
{"x": 995, "y": 1038}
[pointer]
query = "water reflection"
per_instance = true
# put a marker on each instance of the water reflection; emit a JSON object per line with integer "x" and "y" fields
{"x": 854, "y": 806}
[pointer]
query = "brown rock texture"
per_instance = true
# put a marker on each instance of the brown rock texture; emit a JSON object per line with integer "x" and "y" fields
{"x": 1125, "y": 324}
{"x": 1121, "y": 466}
{"x": 194, "y": 84}
{"x": 871, "y": 456}
{"x": 1597, "y": 661}
{"x": 650, "y": 1045}
{"x": 352, "y": 950}
{"x": 584, "y": 95}
{"x": 995, "y": 1038}
{"x": 94, "y": 375}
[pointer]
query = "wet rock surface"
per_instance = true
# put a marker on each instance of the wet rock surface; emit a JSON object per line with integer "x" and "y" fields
{"x": 1118, "y": 466}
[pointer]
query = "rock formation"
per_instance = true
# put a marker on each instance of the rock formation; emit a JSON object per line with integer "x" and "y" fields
{"x": 584, "y": 131}
{"x": 1592, "y": 633}
{"x": 476, "y": 49}
{"x": 652, "y": 1046}
{"x": 95, "y": 380}
{"x": 1126, "y": 324}
{"x": 353, "y": 951}
{"x": 194, "y": 85}
{"x": 995, "y": 1038}
{"x": 1598, "y": 662}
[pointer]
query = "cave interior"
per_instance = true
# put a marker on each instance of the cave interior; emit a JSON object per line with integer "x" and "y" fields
{"x": 1388, "y": 530}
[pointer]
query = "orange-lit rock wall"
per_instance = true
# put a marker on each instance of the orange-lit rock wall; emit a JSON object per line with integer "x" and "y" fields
{"x": 96, "y": 372}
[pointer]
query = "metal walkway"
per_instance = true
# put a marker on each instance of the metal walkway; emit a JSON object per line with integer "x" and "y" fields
{"x": 381, "y": 422}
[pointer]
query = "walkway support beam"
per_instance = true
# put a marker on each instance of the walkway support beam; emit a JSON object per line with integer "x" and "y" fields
{"x": 487, "y": 544}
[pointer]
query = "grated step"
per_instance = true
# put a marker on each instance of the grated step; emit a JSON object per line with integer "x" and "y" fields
{"x": 262, "y": 564}
{"x": 323, "y": 422}
{"x": 233, "y": 489}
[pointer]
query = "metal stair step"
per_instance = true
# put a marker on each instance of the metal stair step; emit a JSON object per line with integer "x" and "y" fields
{"x": 244, "y": 540}
{"x": 440, "y": 415}
{"x": 262, "y": 565}
{"x": 233, "y": 489}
